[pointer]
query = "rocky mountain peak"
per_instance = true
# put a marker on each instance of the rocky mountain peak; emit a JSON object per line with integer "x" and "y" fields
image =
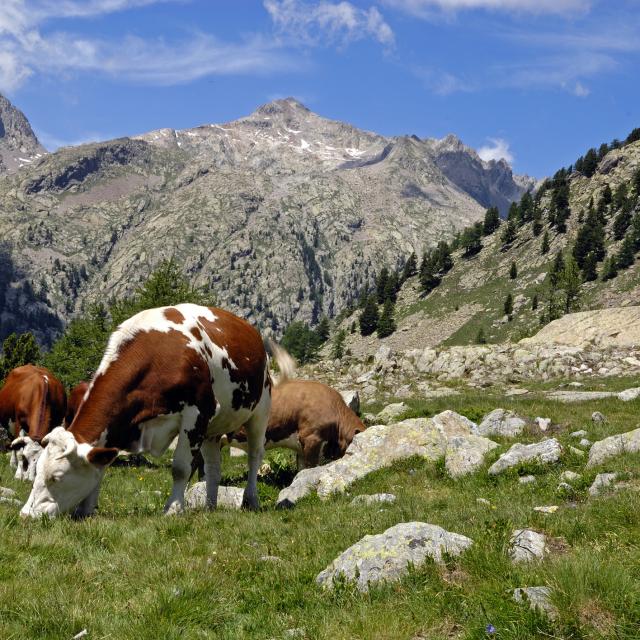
{"x": 19, "y": 145}
{"x": 281, "y": 106}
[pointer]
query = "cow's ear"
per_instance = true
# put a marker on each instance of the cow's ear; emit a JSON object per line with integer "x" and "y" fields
{"x": 18, "y": 443}
{"x": 102, "y": 456}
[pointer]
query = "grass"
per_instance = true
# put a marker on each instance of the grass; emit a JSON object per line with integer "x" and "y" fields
{"x": 130, "y": 572}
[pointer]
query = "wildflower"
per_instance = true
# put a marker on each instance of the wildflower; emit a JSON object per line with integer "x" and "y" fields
{"x": 490, "y": 629}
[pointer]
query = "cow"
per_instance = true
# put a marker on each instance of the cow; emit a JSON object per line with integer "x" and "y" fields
{"x": 306, "y": 416}
{"x": 76, "y": 396}
{"x": 32, "y": 401}
{"x": 187, "y": 370}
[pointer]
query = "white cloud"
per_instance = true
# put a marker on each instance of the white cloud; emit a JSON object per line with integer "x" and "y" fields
{"x": 497, "y": 150}
{"x": 429, "y": 8}
{"x": 328, "y": 22}
{"x": 26, "y": 49}
{"x": 442, "y": 82}
{"x": 52, "y": 142}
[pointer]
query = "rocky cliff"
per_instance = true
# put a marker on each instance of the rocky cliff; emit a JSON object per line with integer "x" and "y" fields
{"x": 19, "y": 146}
{"x": 284, "y": 214}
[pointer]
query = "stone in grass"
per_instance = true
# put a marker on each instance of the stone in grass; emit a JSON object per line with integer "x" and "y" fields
{"x": 373, "y": 498}
{"x": 585, "y": 442}
{"x": 569, "y": 476}
{"x": 5, "y": 492}
{"x": 581, "y": 433}
{"x": 391, "y": 412}
{"x": 564, "y": 487}
{"x": 537, "y": 598}
{"x": 598, "y": 418}
{"x": 576, "y": 452}
{"x": 465, "y": 454}
{"x": 388, "y": 556}
{"x": 483, "y": 501}
{"x": 11, "y": 501}
{"x": 543, "y": 452}
{"x": 614, "y": 446}
{"x": 229, "y": 497}
{"x": 527, "y": 545}
{"x": 527, "y": 479}
{"x": 501, "y": 422}
{"x": 602, "y": 481}
{"x": 543, "y": 423}
{"x": 546, "y": 509}
{"x": 234, "y": 452}
{"x": 629, "y": 394}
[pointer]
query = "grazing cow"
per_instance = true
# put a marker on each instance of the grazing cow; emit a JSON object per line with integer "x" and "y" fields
{"x": 32, "y": 401}
{"x": 191, "y": 371}
{"x": 76, "y": 396}
{"x": 306, "y": 416}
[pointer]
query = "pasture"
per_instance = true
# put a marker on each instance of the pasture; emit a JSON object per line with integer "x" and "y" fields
{"x": 131, "y": 573}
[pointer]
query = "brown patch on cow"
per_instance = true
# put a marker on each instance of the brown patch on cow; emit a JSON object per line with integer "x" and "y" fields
{"x": 245, "y": 349}
{"x": 207, "y": 350}
{"x": 102, "y": 456}
{"x": 76, "y": 396}
{"x": 33, "y": 404}
{"x": 173, "y": 315}
{"x": 196, "y": 333}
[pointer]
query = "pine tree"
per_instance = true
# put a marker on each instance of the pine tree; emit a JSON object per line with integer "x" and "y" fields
{"x": 508, "y": 306}
{"x": 537, "y": 221}
{"x": 353, "y": 327}
{"x": 513, "y": 271}
{"x": 526, "y": 208}
{"x": 508, "y": 234}
{"x": 444, "y": 261}
{"x": 635, "y": 181}
{"x": 514, "y": 213}
{"x": 626, "y": 255}
{"x": 534, "y": 302}
{"x": 386, "y": 323}
{"x": 480, "y": 337}
{"x": 410, "y": 267}
{"x": 590, "y": 267}
{"x": 635, "y": 231}
{"x": 391, "y": 288}
{"x": 491, "y": 221}
{"x": 590, "y": 163}
{"x": 589, "y": 239}
{"x": 337, "y": 348}
{"x": 557, "y": 270}
{"x": 18, "y": 350}
{"x": 471, "y": 240}
{"x": 322, "y": 329}
{"x": 544, "y": 249}
{"x": 609, "y": 268}
{"x": 571, "y": 283}
{"x": 381, "y": 284}
{"x": 621, "y": 223}
{"x": 369, "y": 317}
{"x": 429, "y": 278}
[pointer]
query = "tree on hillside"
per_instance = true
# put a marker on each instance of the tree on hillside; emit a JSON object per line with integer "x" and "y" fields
{"x": 635, "y": 182}
{"x": 622, "y": 222}
{"x": 589, "y": 164}
{"x": 537, "y": 221}
{"x": 508, "y": 306}
{"x": 609, "y": 268}
{"x": 337, "y": 348}
{"x": 444, "y": 261}
{"x": 369, "y": 316}
{"x": 514, "y": 213}
{"x": 386, "y": 323}
{"x": 429, "y": 276}
{"x": 481, "y": 338}
{"x": 471, "y": 240}
{"x": 508, "y": 234}
{"x": 589, "y": 239}
{"x": 491, "y": 221}
{"x": 381, "y": 284}
{"x": 526, "y": 207}
{"x": 620, "y": 196}
{"x": 626, "y": 255}
{"x": 322, "y": 329}
{"x": 534, "y": 302}
{"x": 571, "y": 283}
{"x": 590, "y": 267}
{"x": 557, "y": 270}
{"x": 513, "y": 271}
{"x": 301, "y": 342}
{"x": 18, "y": 350}
{"x": 392, "y": 287}
{"x": 544, "y": 249}
{"x": 410, "y": 267}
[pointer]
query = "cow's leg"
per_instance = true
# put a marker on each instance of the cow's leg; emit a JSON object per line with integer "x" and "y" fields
{"x": 312, "y": 450}
{"x": 189, "y": 441}
{"x": 256, "y": 427}
{"x": 88, "y": 506}
{"x": 210, "y": 450}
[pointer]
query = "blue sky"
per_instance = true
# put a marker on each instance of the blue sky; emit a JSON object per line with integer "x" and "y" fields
{"x": 534, "y": 81}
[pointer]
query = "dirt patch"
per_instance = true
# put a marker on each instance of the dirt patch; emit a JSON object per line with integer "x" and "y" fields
{"x": 593, "y": 614}
{"x": 447, "y": 628}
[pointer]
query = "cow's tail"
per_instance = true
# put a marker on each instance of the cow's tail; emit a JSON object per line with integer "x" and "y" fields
{"x": 286, "y": 364}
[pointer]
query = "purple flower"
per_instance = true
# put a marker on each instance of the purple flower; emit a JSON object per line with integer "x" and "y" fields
{"x": 490, "y": 629}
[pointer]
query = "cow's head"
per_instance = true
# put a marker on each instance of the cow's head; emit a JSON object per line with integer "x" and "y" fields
{"x": 25, "y": 457}
{"x": 66, "y": 474}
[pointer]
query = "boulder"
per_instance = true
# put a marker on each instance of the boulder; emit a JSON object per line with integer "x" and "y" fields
{"x": 228, "y": 497}
{"x": 453, "y": 424}
{"x": 527, "y": 479}
{"x": 501, "y": 422}
{"x": 543, "y": 423}
{"x": 527, "y": 545}
{"x": 585, "y": 442}
{"x": 5, "y": 492}
{"x": 543, "y": 452}
{"x": 569, "y": 476}
{"x": 537, "y": 598}
{"x": 597, "y": 418}
{"x": 602, "y": 481}
{"x": 235, "y": 452}
{"x": 614, "y": 446}
{"x": 374, "y": 498}
{"x": 465, "y": 454}
{"x": 391, "y": 412}
{"x": 388, "y": 556}
{"x": 303, "y": 484}
{"x": 629, "y": 394}
{"x": 580, "y": 396}
{"x": 581, "y": 433}
{"x": 352, "y": 400}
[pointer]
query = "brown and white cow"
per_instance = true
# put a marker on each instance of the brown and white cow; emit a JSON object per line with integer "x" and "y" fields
{"x": 306, "y": 416}
{"x": 76, "y": 396}
{"x": 191, "y": 371}
{"x": 32, "y": 401}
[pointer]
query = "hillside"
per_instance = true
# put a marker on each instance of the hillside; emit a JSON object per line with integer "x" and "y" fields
{"x": 283, "y": 214}
{"x": 471, "y": 296}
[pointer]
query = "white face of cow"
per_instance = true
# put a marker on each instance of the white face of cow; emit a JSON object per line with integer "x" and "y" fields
{"x": 64, "y": 476}
{"x": 25, "y": 454}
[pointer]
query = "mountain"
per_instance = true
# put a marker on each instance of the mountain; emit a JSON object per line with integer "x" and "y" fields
{"x": 19, "y": 146}
{"x": 284, "y": 214}
{"x": 471, "y": 296}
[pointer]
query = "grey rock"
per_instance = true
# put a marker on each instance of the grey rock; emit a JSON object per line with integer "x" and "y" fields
{"x": 501, "y": 422}
{"x": 585, "y": 442}
{"x": 570, "y": 476}
{"x": 483, "y": 501}
{"x": 391, "y": 412}
{"x": 537, "y": 598}
{"x": 543, "y": 423}
{"x": 465, "y": 454}
{"x": 527, "y": 479}
{"x": 235, "y": 452}
{"x": 547, "y": 509}
{"x": 374, "y": 498}
{"x": 598, "y": 418}
{"x": 453, "y": 424}
{"x": 629, "y": 394}
{"x": 304, "y": 483}
{"x": 581, "y": 433}
{"x": 544, "y": 452}
{"x": 527, "y": 545}
{"x": 576, "y": 452}
{"x": 11, "y": 501}
{"x": 5, "y": 492}
{"x": 601, "y": 483}
{"x": 228, "y": 497}
{"x": 387, "y": 556}
{"x": 580, "y": 396}
{"x": 614, "y": 446}
{"x": 564, "y": 487}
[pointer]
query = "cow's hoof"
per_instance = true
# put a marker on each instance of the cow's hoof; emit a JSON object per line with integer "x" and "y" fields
{"x": 173, "y": 509}
{"x": 251, "y": 503}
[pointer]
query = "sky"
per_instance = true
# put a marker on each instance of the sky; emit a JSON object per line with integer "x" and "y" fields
{"x": 536, "y": 82}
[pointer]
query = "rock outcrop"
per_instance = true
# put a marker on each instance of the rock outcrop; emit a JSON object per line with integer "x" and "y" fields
{"x": 543, "y": 452}
{"x": 614, "y": 446}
